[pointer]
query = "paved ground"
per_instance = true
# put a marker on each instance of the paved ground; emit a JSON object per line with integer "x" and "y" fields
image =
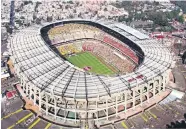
{"x": 12, "y": 113}
{"x": 7, "y": 84}
{"x": 19, "y": 118}
{"x": 14, "y": 116}
{"x": 156, "y": 117}
{"x": 179, "y": 73}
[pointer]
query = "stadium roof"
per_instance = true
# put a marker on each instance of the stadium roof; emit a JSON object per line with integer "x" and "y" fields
{"x": 132, "y": 31}
{"x": 48, "y": 71}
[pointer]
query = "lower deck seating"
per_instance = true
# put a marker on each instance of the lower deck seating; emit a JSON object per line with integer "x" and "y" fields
{"x": 122, "y": 48}
{"x": 108, "y": 54}
{"x": 68, "y": 49}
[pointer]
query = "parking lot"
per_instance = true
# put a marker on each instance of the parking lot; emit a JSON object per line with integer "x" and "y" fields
{"x": 156, "y": 117}
{"x": 14, "y": 116}
{"x": 23, "y": 119}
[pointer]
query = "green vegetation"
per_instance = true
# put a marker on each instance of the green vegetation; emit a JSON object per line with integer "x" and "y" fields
{"x": 28, "y": 2}
{"x": 161, "y": 19}
{"x": 181, "y": 4}
{"x": 37, "y": 4}
{"x": 84, "y": 59}
{"x": 180, "y": 19}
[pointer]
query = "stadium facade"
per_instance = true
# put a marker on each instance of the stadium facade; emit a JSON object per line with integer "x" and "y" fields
{"x": 68, "y": 95}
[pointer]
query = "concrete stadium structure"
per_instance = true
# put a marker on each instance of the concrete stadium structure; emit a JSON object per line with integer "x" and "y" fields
{"x": 69, "y": 96}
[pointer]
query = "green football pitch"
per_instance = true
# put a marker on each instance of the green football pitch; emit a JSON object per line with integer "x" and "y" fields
{"x": 85, "y": 59}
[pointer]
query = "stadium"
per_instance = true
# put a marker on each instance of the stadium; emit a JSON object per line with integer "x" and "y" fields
{"x": 82, "y": 72}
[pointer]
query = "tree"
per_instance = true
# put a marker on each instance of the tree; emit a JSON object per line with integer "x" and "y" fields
{"x": 175, "y": 13}
{"x": 66, "y": 7}
{"x": 138, "y": 16}
{"x": 22, "y": 17}
{"x": 8, "y": 29}
{"x": 180, "y": 18}
{"x": 169, "y": 15}
{"x": 159, "y": 18}
{"x": 37, "y": 4}
{"x": 71, "y": 16}
{"x": 121, "y": 18}
{"x": 74, "y": 11}
{"x": 38, "y": 21}
{"x": 156, "y": 3}
{"x": 34, "y": 17}
{"x": 19, "y": 22}
{"x": 129, "y": 19}
{"x": 126, "y": 3}
{"x": 77, "y": 3}
{"x": 70, "y": 2}
{"x": 181, "y": 4}
{"x": 49, "y": 19}
{"x": 153, "y": 27}
{"x": 105, "y": 9}
{"x": 27, "y": 2}
{"x": 177, "y": 124}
